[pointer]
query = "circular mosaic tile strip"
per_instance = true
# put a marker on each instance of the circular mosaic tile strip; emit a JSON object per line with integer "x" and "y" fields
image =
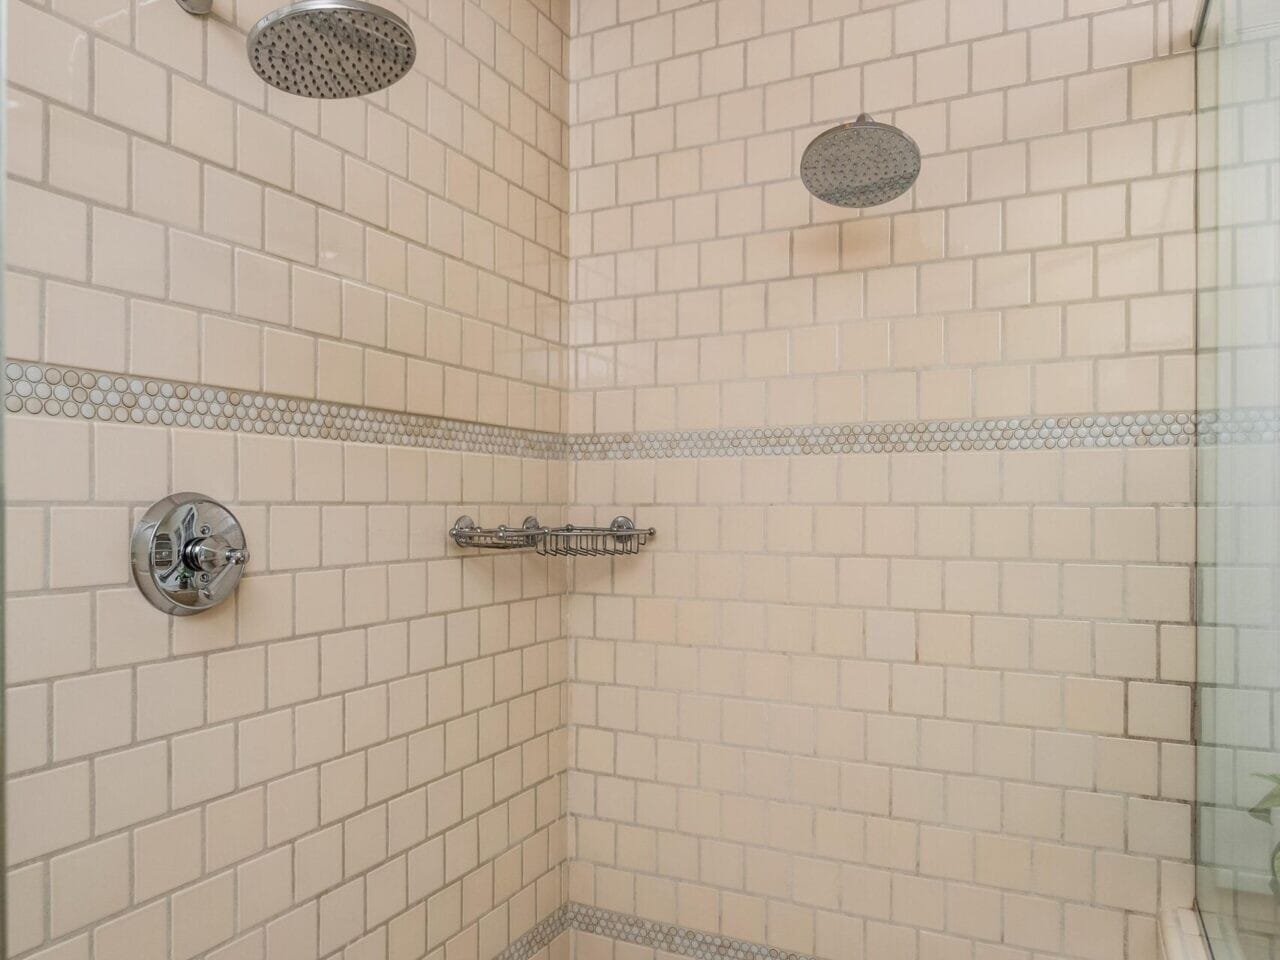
{"x": 57, "y": 391}
{"x": 1051, "y": 433}
{"x": 81, "y": 394}
{"x": 628, "y": 928}
{"x": 537, "y": 938}
{"x": 684, "y": 941}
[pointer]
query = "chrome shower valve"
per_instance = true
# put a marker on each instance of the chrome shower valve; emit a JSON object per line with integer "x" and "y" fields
{"x": 188, "y": 553}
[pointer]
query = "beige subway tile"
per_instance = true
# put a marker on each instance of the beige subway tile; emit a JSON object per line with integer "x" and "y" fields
{"x": 92, "y": 714}
{"x": 203, "y": 915}
{"x": 48, "y": 811}
{"x": 141, "y": 933}
{"x": 1163, "y": 86}
{"x": 53, "y": 60}
{"x": 73, "y": 140}
{"x": 51, "y": 636}
{"x": 176, "y": 41}
{"x": 25, "y": 122}
{"x": 166, "y": 854}
{"x": 1098, "y": 98}
{"x": 130, "y": 91}
{"x": 88, "y": 884}
{"x": 46, "y": 232}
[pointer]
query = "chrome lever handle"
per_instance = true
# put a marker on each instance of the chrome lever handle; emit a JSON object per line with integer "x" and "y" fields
{"x": 213, "y": 553}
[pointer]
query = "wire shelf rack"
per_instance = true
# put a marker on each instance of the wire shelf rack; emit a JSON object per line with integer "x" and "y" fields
{"x": 621, "y": 538}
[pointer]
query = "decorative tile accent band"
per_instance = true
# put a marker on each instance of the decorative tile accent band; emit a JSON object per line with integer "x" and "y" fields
{"x": 44, "y": 389}
{"x": 1026, "y": 433}
{"x": 629, "y": 928}
{"x": 113, "y": 398}
{"x": 670, "y": 938}
{"x": 539, "y": 936}
{"x": 1217, "y": 428}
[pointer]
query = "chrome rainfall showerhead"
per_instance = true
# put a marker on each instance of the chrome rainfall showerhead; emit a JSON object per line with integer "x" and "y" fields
{"x": 860, "y": 164}
{"x": 330, "y": 49}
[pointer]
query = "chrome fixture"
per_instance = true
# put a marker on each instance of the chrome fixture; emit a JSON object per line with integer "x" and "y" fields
{"x": 620, "y": 538}
{"x": 860, "y": 164}
{"x": 188, "y": 553}
{"x": 329, "y": 49}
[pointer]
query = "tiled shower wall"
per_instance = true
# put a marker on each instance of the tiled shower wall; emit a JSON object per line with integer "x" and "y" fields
{"x": 363, "y": 754}
{"x": 885, "y": 702}
{"x": 928, "y": 695}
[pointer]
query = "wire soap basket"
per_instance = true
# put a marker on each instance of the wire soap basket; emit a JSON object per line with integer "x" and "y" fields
{"x": 621, "y": 538}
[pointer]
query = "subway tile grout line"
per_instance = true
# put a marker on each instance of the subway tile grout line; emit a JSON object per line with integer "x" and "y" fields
{"x": 73, "y": 393}
{"x": 667, "y": 937}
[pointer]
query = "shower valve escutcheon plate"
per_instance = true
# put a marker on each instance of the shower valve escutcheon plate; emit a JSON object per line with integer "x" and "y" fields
{"x": 187, "y": 553}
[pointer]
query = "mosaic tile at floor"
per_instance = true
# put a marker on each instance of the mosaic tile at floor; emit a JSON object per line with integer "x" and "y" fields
{"x": 538, "y": 937}
{"x": 46, "y": 390}
{"x": 682, "y": 941}
{"x": 667, "y": 937}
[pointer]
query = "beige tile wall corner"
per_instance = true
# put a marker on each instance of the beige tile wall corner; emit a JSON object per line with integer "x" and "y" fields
{"x": 363, "y": 755}
{"x": 906, "y": 705}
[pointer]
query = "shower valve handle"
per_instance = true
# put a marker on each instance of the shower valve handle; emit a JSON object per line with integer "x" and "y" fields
{"x": 213, "y": 553}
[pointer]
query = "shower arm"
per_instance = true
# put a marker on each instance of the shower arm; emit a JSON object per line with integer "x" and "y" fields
{"x": 198, "y": 7}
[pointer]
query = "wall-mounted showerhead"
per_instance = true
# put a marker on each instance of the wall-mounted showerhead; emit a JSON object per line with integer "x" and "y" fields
{"x": 860, "y": 164}
{"x": 327, "y": 49}
{"x": 331, "y": 48}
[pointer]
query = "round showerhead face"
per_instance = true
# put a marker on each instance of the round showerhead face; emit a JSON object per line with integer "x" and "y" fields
{"x": 860, "y": 164}
{"x": 330, "y": 49}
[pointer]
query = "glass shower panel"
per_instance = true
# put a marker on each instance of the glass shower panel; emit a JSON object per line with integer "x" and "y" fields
{"x": 1238, "y": 760}
{"x": 4, "y": 166}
